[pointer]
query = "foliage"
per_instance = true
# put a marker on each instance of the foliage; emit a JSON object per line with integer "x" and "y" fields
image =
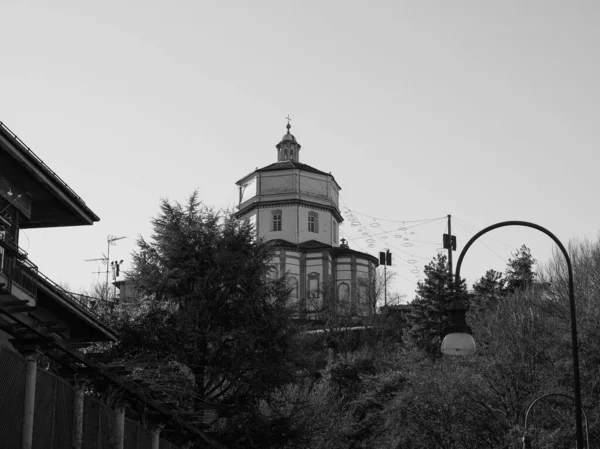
{"x": 489, "y": 288}
{"x": 428, "y": 316}
{"x": 210, "y": 312}
{"x": 519, "y": 270}
{"x": 373, "y": 289}
{"x": 384, "y": 396}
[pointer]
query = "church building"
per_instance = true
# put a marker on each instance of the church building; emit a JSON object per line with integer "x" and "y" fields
{"x": 296, "y": 206}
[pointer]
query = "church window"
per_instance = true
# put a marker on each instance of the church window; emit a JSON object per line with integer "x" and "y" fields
{"x": 313, "y": 222}
{"x": 293, "y": 286}
{"x": 313, "y": 285}
{"x": 277, "y": 220}
{"x": 344, "y": 298}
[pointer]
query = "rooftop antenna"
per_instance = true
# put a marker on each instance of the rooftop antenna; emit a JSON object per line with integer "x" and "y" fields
{"x": 110, "y": 241}
{"x": 104, "y": 260}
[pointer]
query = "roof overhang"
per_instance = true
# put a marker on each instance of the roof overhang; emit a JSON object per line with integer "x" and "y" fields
{"x": 45, "y": 199}
{"x": 83, "y": 323}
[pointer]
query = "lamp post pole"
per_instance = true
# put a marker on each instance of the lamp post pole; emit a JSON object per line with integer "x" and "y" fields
{"x": 575, "y": 348}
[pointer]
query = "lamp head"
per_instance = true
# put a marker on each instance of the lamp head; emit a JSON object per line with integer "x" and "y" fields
{"x": 457, "y": 336}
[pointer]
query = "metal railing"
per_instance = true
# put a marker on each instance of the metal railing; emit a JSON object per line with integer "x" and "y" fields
{"x": 70, "y": 297}
{"x": 18, "y": 268}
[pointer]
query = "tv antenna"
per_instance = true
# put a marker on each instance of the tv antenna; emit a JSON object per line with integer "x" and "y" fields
{"x": 110, "y": 241}
{"x": 104, "y": 260}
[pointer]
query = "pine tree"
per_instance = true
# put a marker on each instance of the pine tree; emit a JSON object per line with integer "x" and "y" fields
{"x": 428, "y": 317}
{"x": 211, "y": 309}
{"x": 519, "y": 271}
{"x": 489, "y": 287}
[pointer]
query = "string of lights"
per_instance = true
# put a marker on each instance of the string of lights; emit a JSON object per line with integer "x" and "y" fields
{"x": 401, "y": 236}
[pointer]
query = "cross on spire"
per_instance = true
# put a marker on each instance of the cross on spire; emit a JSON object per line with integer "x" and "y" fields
{"x": 288, "y": 126}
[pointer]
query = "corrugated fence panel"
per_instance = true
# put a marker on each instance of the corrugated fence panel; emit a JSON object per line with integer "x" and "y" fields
{"x": 12, "y": 393}
{"x": 44, "y": 410}
{"x": 63, "y": 415}
{"x": 144, "y": 438}
{"x": 107, "y": 428}
{"x": 131, "y": 428}
{"x": 91, "y": 423}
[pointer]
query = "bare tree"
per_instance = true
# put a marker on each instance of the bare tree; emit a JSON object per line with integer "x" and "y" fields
{"x": 372, "y": 290}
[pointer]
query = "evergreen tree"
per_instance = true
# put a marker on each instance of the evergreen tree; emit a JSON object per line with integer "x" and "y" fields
{"x": 211, "y": 310}
{"x": 519, "y": 271}
{"x": 428, "y": 317}
{"x": 489, "y": 287}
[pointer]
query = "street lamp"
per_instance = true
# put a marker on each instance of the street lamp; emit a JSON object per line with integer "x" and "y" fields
{"x": 527, "y": 439}
{"x": 458, "y": 339}
{"x": 457, "y": 333}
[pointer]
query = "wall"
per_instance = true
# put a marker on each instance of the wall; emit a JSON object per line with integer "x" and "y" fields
{"x": 54, "y": 410}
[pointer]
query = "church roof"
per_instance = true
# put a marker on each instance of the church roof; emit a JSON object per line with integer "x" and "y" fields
{"x": 286, "y": 165}
{"x": 290, "y": 165}
{"x": 314, "y": 245}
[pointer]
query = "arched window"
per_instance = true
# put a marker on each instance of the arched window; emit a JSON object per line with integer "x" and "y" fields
{"x": 313, "y": 285}
{"x": 292, "y": 283}
{"x": 344, "y": 298}
{"x": 313, "y": 222}
{"x": 343, "y": 292}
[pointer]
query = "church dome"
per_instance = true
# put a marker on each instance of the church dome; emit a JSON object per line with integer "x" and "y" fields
{"x": 288, "y": 136}
{"x": 288, "y": 148}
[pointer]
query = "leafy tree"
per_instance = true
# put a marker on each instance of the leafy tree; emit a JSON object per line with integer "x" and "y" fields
{"x": 519, "y": 271}
{"x": 212, "y": 312}
{"x": 428, "y": 317}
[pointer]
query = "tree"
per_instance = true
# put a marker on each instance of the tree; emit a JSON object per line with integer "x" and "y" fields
{"x": 519, "y": 271}
{"x": 489, "y": 287}
{"x": 428, "y": 317}
{"x": 371, "y": 291}
{"x": 212, "y": 311}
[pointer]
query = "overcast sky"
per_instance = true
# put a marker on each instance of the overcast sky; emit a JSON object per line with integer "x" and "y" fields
{"x": 484, "y": 110}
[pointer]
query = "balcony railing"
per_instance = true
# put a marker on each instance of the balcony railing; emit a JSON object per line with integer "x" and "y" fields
{"x": 17, "y": 268}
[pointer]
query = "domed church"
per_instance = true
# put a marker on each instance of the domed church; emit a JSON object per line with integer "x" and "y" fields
{"x": 296, "y": 206}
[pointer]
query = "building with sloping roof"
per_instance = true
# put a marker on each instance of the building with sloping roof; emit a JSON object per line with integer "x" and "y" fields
{"x": 33, "y": 196}
{"x": 43, "y": 322}
{"x": 296, "y": 207}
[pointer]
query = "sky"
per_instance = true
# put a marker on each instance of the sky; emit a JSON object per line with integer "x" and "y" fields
{"x": 483, "y": 110}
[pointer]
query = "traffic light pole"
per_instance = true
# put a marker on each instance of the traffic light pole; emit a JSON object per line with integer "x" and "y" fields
{"x": 450, "y": 247}
{"x": 385, "y": 284}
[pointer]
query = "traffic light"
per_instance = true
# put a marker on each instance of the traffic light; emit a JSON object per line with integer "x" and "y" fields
{"x": 449, "y": 241}
{"x": 385, "y": 258}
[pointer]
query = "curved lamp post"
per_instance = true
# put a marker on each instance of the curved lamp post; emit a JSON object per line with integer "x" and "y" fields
{"x": 527, "y": 438}
{"x": 458, "y": 340}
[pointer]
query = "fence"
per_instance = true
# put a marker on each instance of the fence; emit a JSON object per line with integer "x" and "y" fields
{"x": 54, "y": 413}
